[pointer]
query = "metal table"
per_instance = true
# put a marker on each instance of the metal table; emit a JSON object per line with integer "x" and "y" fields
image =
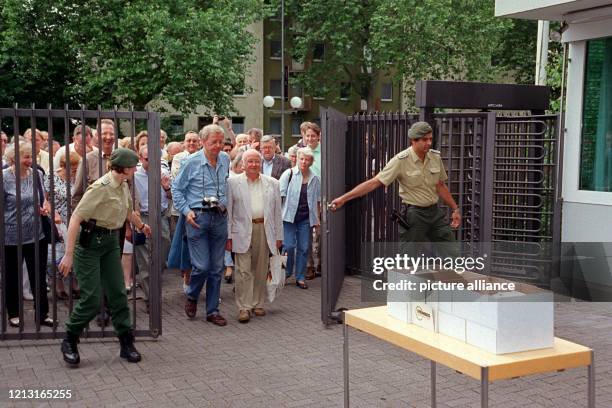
{"x": 465, "y": 358}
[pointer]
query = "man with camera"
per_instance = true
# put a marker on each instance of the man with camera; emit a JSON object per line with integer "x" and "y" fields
{"x": 199, "y": 193}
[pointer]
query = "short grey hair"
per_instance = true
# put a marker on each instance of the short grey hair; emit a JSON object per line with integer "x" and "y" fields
{"x": 250, "y": 152}
{"x": 267, "y": 138}
{"x": 305, "y": 151}
{"x": 210, "y": 130}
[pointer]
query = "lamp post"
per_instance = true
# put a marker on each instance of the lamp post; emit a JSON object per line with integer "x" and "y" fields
{"x": 296, "y": 101}
{"x": 283, "y": 76}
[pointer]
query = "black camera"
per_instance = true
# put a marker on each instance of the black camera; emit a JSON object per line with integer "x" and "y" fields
{"x": 213, "y": 204}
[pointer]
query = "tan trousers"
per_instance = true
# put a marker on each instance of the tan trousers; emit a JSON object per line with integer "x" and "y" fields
{"x": 252, "y": 271}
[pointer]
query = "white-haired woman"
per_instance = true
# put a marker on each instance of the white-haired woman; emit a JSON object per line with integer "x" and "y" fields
{"x": 301, "y": 193}
{"x": 29, "y": 217}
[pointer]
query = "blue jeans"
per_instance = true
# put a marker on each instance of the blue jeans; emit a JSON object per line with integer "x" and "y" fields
{"x": 206, "y": 249}
{"x": 297, "y": 241}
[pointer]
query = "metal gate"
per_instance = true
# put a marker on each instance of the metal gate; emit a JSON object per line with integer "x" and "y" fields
{"x": 15, "y": 121}
{"x": 504, "y": 172}
{"x": 333, "y": 154}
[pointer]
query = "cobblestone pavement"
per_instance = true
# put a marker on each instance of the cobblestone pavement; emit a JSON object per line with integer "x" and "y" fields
{"x": 288, "y": 359}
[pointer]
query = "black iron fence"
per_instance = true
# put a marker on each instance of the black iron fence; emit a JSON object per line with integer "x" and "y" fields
{"x": 60, "y": 124}
{"x": 503, "y": 171}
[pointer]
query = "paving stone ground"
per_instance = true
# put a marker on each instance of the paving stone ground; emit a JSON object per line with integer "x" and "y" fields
{"x": 288, "y": 359}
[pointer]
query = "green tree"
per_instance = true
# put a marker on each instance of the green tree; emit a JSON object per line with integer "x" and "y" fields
{"x": 419, "y": 39}
{"x": 181, "y": 52}
{"x": 516, "y": 53}
{"x": 36, "y": 65}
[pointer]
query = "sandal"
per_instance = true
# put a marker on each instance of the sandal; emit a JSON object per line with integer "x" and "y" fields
{"x": 49, "y": 322}
{"x": 301, "y": 285}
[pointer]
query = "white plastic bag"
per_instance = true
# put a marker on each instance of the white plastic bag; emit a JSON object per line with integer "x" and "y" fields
{"x": 276, "y": 277}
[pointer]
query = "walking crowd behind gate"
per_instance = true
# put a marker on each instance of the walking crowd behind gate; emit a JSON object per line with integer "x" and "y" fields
{"x": 230, "y": 203}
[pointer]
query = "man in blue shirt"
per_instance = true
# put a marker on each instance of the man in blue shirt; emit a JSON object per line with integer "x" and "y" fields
{"x": 141, "y": 187}
{"x": 199, "y": 193}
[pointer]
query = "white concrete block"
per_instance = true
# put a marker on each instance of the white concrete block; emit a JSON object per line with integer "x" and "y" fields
{"x": 450, "y": 325}
{"x": 400, "y": 310}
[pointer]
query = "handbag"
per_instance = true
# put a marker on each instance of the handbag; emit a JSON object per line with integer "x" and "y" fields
{"x": 48, "y": 227}
{"x": 139, "y": 238}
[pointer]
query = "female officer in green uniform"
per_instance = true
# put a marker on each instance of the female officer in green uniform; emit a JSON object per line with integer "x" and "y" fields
{"x": 97, "y": 263}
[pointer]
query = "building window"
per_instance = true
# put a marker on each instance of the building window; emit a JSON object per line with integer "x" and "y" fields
{"x": 275, "y": 126}
{"x": 345, "y": 90}
{"x": 596, "y": 146}
{"x": 238, "y": 89}
{"x": 318, "y": 52}
{"x": 296, "y": 121}
{"x": 275, "y": 49}
{"x": 238, "y": 125}
{"x": 203, "y": 121}
{"x": 275, "y": 88}
{"x": 386, "y": 92}
{"x": 175, "y": 127}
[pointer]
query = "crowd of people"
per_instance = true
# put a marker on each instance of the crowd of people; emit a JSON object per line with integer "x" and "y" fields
{"x": 229, "y": 202}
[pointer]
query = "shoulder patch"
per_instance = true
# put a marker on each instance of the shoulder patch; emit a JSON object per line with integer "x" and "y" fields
{"x": 434, "y": 151}
{"x": 403, "y": 154}
{"x": 105, "y": 180}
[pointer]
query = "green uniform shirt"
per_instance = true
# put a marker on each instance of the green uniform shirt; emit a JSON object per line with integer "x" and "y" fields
{"x": 106, "y": 201}
{"x": 417, "y": 179}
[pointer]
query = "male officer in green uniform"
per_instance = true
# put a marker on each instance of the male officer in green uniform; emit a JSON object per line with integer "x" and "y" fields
{"x": 97, "y": 262}
{"x": 421, "y": 176}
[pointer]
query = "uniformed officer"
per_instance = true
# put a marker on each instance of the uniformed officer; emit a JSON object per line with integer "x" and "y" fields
{"x": 421, "y": 176}
{"x": 97, "y": 263}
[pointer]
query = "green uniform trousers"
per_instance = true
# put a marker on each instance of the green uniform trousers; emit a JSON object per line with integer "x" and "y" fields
{"x": 428, "y": 224}
{"x": 97, "y": 267}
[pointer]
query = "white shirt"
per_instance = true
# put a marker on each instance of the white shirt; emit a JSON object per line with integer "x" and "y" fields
{"x": 267, "y": 167}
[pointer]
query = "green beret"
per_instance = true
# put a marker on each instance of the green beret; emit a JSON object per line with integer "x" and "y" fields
{"x": 419, "y": 129}
{"x": 125, "y": 158}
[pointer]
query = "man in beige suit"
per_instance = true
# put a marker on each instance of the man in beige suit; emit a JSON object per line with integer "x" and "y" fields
{"x": 255, "y": 230}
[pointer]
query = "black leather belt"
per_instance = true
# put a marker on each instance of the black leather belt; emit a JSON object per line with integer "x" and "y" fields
{"x": 419, "y": 207}
{"x": 102, "y": 230}
{"x": 198, "y": 210}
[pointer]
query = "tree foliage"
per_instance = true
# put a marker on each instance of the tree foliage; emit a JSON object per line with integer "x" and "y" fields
{"x": 182, "y": 52}
{"x": 410, "y": 39}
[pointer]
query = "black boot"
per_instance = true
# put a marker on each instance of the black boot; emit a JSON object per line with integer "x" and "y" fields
{"x": 70, "y": 350}
{"x": 128, "y": 351}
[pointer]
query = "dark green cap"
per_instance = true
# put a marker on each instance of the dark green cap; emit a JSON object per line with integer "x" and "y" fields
{"x": 125, "y": 158}
{"x": 419, "y": 129}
